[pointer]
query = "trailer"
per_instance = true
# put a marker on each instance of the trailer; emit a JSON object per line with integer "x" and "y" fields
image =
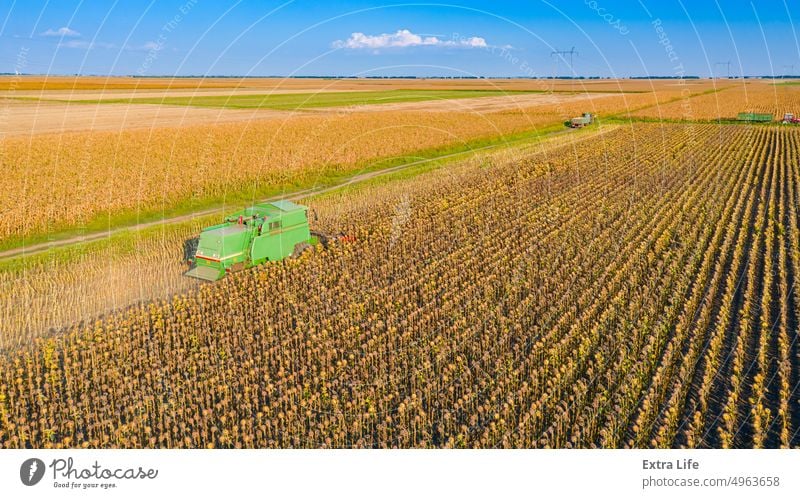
{"x": 754, "y": 117}
{"x": 264, "y": 232}
{"x": 579, "y": 122}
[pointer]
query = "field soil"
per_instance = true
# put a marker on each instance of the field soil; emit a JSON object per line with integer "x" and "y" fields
{"x": 21, "y": 118}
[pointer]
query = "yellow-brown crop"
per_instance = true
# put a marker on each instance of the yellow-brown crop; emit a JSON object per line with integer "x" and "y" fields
{"x": 595, "y": 295}
{"x": 64, "y": 181}
{"x": 733, "y": 98}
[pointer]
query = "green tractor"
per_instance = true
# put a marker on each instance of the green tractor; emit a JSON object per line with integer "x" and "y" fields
{"x": 264, "y": 232}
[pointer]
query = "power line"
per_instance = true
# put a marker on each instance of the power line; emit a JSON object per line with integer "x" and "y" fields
{"x": 724, "y": 64}
{"x": 559, "y": 54}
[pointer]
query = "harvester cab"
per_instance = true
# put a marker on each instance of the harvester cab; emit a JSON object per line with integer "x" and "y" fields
{"x": 264, "y": 232}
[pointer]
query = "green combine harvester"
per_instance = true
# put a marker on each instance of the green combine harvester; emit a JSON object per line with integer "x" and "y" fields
{"x": 264, "y": 232}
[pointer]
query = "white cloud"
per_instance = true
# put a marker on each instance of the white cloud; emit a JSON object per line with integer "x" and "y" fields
{"x": 405, "y": 38}
{"x": 85, "y": 45}
{"x": 150, "y": 46}
{"x": 63, "y": 32}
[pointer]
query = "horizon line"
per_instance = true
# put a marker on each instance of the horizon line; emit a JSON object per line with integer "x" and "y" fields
{"x": 520, "y": 77}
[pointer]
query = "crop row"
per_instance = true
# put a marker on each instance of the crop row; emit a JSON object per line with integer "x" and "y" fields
{"x": 635, "y": 290}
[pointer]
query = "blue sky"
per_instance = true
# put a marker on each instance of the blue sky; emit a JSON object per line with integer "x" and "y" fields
{"x": 470, "y": 38}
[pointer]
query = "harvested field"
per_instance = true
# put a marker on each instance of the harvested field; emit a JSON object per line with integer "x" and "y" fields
{"x": 78, "y": 95}
{"x": 62, "y": 84}
{"x": 23, "y": 118}
{"x": 298, "y": 101}
{"x": 512, "y": 102}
